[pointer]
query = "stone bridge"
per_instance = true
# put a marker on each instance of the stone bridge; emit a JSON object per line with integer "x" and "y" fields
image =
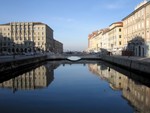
{"x": 73, "y": 57}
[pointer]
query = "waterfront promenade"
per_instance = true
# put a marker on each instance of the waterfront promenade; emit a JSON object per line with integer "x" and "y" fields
{"x": 134, "y": 58}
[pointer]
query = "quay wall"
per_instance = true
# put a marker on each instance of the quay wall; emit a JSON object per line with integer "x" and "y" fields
{"x": 132, "y": 64}
{"x": 20, "y": 63}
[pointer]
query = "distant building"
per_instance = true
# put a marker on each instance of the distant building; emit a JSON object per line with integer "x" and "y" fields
{"x": 95, "y": 43}
{"x": 107, "y": 39}
{"x": 58, "y": 47}
{"x": 137, "y": 30}
{"x": 21, "y": 37}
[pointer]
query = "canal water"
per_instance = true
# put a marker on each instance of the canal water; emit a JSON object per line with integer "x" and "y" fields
{"x": 65, "y": 87}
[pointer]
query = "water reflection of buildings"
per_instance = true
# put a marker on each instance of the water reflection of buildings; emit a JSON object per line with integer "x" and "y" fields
{"x": 137, "y": 94}
{"x": 35, "y": 79}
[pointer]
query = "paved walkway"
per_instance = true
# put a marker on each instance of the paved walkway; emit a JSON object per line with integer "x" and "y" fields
{"x": 17, "y": 57}
{"x": 140, "y": 59}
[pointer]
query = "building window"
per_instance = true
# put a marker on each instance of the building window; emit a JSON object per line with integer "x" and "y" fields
{"x": 120, "y": 30}
{"x": 148, "y": 34}
{"x": 119, "y": 42}
{"x": 119, "y": 36}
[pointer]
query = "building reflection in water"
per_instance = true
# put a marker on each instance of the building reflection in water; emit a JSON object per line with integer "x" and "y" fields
{"x": 135, "y": 93}
{"x": 35, "y": 79}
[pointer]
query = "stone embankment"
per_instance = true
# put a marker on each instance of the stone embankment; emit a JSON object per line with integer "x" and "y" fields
{"x": 17, "y": 64}
{"x": 137, "y": 64}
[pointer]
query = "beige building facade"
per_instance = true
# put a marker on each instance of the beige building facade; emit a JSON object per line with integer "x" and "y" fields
{"x": 96, "y": 40}
{"x": 137, "y": 30}
{"x": 21, "y": 37}
{"x": 104, "y": 40}
{"x": 107, "y": 39}
{"x": 115, "y": 38}
{"x": 93, "y": 41}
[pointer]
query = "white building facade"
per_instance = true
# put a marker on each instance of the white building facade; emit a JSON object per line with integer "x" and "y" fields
{"x": 21, "y": 37}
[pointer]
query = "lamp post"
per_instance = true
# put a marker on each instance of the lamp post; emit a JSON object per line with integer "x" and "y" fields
{"x": 34, "y": 51}
{"x": 0, "y": 46}
{"x": 45, "y": 47}
{"x": 46, "y": 50}
{"x": 13, "y": 45}
{"x": 0, "y": 43}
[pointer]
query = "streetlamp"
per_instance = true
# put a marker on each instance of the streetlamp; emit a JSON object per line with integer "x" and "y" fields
{"x": 0, "y": 43}
{"x": 0, "y": 46}
{"x": 45, "y": 48}
{"x": 34, "y": 50}
{"x": 13, "y": 45}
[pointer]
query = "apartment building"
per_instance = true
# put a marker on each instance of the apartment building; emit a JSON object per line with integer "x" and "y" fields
{"x": 115, "y": 38}
{"x": 21, "y": 37}
{"x": 93, "y": 41}
{"x": 107, "y": 39}
{"x": 137, "y": 30}
{"x": 104, "y": 40}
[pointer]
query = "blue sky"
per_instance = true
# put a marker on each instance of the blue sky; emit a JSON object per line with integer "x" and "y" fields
{"x": 71, "y": 20}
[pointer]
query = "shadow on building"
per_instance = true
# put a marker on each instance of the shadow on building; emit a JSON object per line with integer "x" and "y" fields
{"x": 9, "y": 47}
{"x": 136, "y": 47}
